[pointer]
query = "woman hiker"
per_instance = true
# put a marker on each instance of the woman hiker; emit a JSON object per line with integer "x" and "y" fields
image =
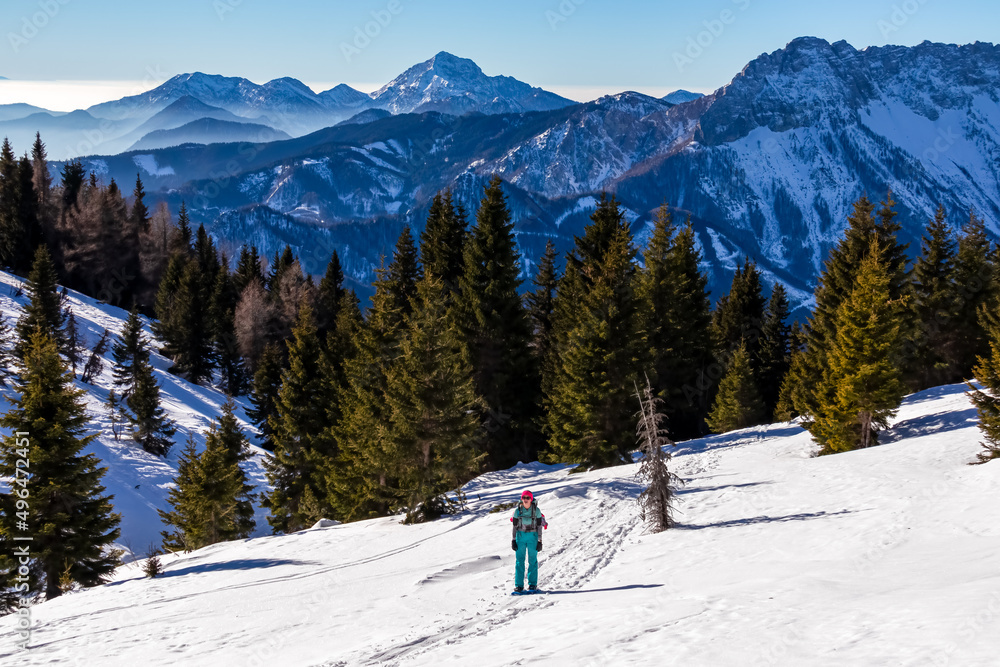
{"x": 528, "y": 523}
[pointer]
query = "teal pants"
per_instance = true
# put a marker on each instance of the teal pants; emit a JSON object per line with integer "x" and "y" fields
{"x": 527, "y": 542}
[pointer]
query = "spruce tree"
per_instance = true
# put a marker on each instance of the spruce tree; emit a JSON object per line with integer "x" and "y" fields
{"x": 72, "y": 341}
{"x": 130, "y": 353}
{"x": 300, "y": 427}
{"x": 44, "y": 309}
{"x": 150, "y": 427}
{"x": 264, "y": 398}
{"x": 934, "y": 301}
{"x": 987, "y": 398}
{"x": 225, "y": 347}
{"x": 331, "y": 295}
{"x": 71, "y": 522}
{"x": 10, "y": 227}
{"x": 739, "y": 315}
{"x": 738, "y": 403}
{"x": 497, "y": 334}
{"x": 677, "y": 320}
{"x": 601, "y": 346}
{"x": 976, "y": 279}
{"x": 364, "y": 481}
{"x": 403, "y": 274}
{"x": 29, "y": 229}
{"x": 282, "y": 262}
{"x": 247, "y": 269}
{"x": 432, "y": 407}
{"x": 442, "y": 243}
{"x": 191, "y": 327}
{"x": 6, "y": 350}
{"x": 166, "y": 296}
{"x": 838, "y": 280}
{"x": 864, "y": 371}
{"x": 180, "y": 242}
{"x": 775, "y": 350}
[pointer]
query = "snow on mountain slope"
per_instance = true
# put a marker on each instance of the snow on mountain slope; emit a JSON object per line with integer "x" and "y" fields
{"x": 876, "y": 557}
{"x": 138, "y": 480}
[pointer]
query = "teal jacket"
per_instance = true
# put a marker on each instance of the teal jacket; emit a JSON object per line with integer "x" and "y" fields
{"x": 528, "y": 520}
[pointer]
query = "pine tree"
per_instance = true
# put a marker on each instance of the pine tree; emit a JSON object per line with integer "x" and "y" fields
{"x": 442, "y": 243}
{"x": 775, "y": 350}
{"x": 6, "y": 350}
{"x": 211, "y": 499}
{"x": 130, "y": 353}
{"x": 976, "y": 279}
{"x": 95, "y": 362}
{"x": 300, "y": 428}
{"x": 180, "y": 242}
{"x": 987, "y": 398}
{"x": 600, "y": 344}
{"x": 738, "y": 403}
{"x": 863, "y": 371}
{"x": 166, "y": 296}
{"x": 739, "y": 315}
{"x": 404, "y": 272}
{"x": 10, "y": 228}
{"x": 190, "y": 327}
{"x": 331, "y": 295}
{"x": 44, "y": 309}
{"x": 71, "y": 522}
{"x": 266, "y": 385}
{"x": 677, "y": 320}
{"x": 432, "y": 407}
{"x": 247, "y": 269}
{"x": 281, "y": 263}
{"x": 363, "y": 483}
{"x": 225, "y": 347}
{"x": 42, "y": 179}
{"x": 497, "y": 334}
{"x": 656, "y": 500}
{"x": 29, "y": 229}
{"x": 150, "y": 427}
{"x": 934, "y": 300}
{"x": 838, "y": 280}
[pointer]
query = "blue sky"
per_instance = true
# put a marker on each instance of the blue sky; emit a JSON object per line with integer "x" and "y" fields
{"x": 579, "y": 48}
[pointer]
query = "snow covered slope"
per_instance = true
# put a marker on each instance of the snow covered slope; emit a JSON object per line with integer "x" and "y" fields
{"x": 878, "y": 557}
{"x": 138, "y": 480}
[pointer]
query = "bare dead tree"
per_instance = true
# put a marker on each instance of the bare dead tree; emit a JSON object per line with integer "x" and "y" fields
{"x": 656, "y": 501}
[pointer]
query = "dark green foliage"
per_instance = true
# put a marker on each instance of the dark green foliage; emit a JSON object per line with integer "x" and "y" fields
{"x": 301, "y": 429}
{"x": 29, "y": 230}
{"x": 864, "y": 376}
{"x": 442, "y": 243}
{"x": 189, "y": 329}
{"x": 71, "y": 522}
{"x": 600, "y": 344}
{"x": 432, "y": 407}
{"x": 364, "y": 481}
{"x": 281, "y": 263}
{"x": 934, "y": 347}
{"x": 248, "y": 269}
{"x": 225, "y": 347}
{"x": 212, "y": 500}
{"x": 72, "y": 177}
{"x": 987, "y": 398}
{"x": 976, "y": 283}
{"x": 130, "y": 353}
{"x": 677, "y": 320}
{"x": 331, "y": 295}
{"x": 72, "y": 340}
{"x": 404, "y": 272}
{"x": 44, "y": 309}
{"x": 149, "y": 425}
{"x": 266, "y": 384}
{"x": 10, "y": 195}
{"x": 738, "y": 403}
{"x": 180, "y": 242}
{"x": 739, "y": 315}
{"x": 497, "y": 334}
{"x": 837, "y": 281}
{"x": 775, "y": 350}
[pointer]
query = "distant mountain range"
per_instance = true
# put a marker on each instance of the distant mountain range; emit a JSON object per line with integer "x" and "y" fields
{"x": 766, "y": 166}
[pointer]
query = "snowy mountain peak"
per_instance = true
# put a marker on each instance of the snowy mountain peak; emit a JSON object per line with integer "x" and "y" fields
{"x": 454, "y": 85}
{"x": 680, "y": 96}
